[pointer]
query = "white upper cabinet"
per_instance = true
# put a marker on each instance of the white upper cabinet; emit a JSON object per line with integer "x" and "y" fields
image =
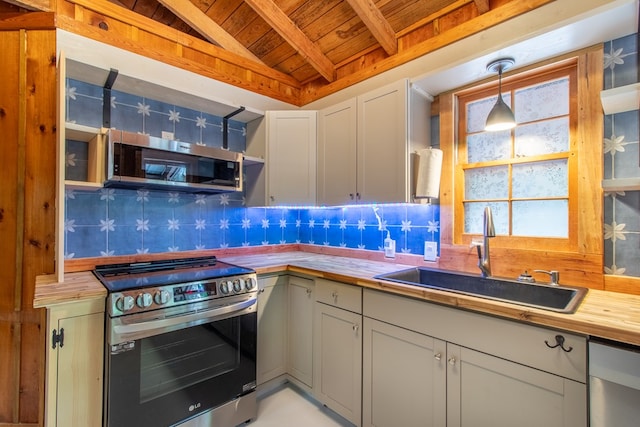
{"x": 337, "y": 154}
{"x": 291, "y": 157}
{"x": 382, "y": 129}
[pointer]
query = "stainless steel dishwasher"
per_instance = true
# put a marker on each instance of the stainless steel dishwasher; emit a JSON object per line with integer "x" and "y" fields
{"x": 614, "y": 381}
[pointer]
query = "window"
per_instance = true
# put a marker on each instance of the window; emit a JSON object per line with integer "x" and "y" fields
{"x": 526, "y": 175}
{"x": 579, "y": 256}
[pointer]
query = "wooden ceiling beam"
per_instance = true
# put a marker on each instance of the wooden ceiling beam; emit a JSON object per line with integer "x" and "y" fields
{"x": 482, "y": 5}
{"x": 207, "y": 27}
{"x": 42, "y": 5}
{"x": 377, "y": 24}
{"x": 293, "y": 35}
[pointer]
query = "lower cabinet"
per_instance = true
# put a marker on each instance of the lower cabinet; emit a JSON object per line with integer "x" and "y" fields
{"x": 300, "y": 330}
{"x": 385, "y": 360}
{"x": 74, "y": 364}
{"x": 484, "y": 390}
{"x": 404, "y": 377}
{"x": 338, "y": 349}
{"x": 272, "y": 324}
{"x": 479, "y": 371}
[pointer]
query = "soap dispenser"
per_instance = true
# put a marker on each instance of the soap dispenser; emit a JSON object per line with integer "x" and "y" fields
{"x": 389, "y": 247}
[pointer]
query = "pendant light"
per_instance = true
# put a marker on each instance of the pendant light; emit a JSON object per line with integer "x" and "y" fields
{"x": 500, "y": 117}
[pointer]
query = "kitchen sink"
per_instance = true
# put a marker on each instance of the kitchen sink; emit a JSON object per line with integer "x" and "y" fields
{"x": 562, "y": 299}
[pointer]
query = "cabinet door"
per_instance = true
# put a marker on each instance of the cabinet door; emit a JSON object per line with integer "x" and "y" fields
{"x": 301, "y": 305}
{"x": 79, "y": 373}
{"x": 383, "y": 158}
{"x": 338, "y": 361}
{"x": 483, "y": 390}
{"x": 272, "y": 328}
{"x": 337, "y": 154}
{"x": 403, "y": 377}
{"x": 291, "y": 157}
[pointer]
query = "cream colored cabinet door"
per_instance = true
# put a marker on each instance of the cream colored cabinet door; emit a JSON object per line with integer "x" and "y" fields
{"x": 300, "y": 330}
{"x": 272, "y": 328}
{"x": 382, "y": 145}
{"x": 75, "y": 368}
{"x": 291, "y": 157}
{"x": 338, "y": 362}
{"x": 337, "y": 128}
{"x": 403, "y": 377}
{"x": 484, "y": 390}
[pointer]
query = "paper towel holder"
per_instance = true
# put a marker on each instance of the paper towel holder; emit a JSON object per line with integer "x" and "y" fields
{"x": 428, "y": 168}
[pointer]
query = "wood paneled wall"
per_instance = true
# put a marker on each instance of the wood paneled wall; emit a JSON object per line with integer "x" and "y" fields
{"x": 27, "y": 217}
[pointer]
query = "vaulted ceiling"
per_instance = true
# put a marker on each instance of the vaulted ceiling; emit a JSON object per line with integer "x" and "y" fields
{"x": 320, "y": 42}
{"x": 293, "y": 50}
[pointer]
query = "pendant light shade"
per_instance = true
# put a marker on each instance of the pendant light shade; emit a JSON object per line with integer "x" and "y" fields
{"x": 500, "y": 117}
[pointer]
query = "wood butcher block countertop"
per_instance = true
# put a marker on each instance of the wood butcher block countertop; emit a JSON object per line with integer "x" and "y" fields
{"x": 610, "y": 315}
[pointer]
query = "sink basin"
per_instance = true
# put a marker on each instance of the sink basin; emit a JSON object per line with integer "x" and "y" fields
{"x": 562, "y": 299}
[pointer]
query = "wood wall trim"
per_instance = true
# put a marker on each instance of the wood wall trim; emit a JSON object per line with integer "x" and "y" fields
{"x": 624, "y": 284}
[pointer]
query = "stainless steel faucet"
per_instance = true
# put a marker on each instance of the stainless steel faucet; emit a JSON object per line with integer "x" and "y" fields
{"x": 488, "y": 231}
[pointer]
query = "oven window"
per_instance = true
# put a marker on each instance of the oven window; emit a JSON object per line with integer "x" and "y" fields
{"x": 177, "y": 360}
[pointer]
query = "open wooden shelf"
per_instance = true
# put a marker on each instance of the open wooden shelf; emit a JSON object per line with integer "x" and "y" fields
{"x": 621, "y": 99}
{"x": 621, "y": 184}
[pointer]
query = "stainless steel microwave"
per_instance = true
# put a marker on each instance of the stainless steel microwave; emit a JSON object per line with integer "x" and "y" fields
{"x": 136, "y": 160}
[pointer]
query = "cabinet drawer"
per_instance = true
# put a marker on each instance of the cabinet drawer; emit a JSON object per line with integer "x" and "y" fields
{"x": 519, "y": 342}
{"x": 341, "y": 295}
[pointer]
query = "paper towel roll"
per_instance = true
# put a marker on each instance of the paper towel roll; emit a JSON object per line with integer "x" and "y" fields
{"x": 428, "y": 171}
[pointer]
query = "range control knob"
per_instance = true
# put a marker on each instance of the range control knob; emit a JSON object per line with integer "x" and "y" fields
{"x": 225, "y": 287}
{"x": 124, "y": 303}
{"x": 249, "y": 283}
{"x": 161, "y": 297}
{"x": 237, "y": 286}
{"x": 144, "y": 300}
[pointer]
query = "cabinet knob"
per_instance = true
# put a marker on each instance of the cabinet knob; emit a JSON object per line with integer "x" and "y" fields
{"x": 334, "y": 295}
{"x": 351, "y": 196}
{"x": 272, "y": 198}
{"x": 261, "y": 291}
{"x": 308, "y": 292}
{"x": 356, "y": 327}
{"x": 452, "y": 361}
{"x": 437, "y": 356}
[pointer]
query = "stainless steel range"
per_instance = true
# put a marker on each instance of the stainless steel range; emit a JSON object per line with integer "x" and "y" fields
{"x": 181, "y": 343}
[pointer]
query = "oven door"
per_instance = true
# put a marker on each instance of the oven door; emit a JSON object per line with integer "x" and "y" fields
{"x": 167, "y": 366}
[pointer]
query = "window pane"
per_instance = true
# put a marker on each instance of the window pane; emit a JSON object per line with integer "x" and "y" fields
{"x": 549, "y": 136}
{"x": 542, "y": 101}
{"x": 487, "y": 146}
{"x": 486, "y": 183}
{"x": 474, "y": 217}
{"x": 540, "y": 179}
{"x": 541, "y": 218}
{"x": 478, "y": 111}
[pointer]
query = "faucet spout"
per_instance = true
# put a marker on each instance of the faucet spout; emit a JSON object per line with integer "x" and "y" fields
{"x": 484, "y": 258}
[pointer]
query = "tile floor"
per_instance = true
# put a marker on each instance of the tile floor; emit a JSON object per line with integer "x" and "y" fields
{"x": 286, "y": 406}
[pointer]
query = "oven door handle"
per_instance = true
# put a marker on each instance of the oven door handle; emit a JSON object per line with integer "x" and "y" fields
{"x": 196, "y": 318}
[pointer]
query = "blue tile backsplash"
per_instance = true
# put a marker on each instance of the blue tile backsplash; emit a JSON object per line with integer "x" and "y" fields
{"x": 621, "y": 160}
{"x": 111, "y": 222}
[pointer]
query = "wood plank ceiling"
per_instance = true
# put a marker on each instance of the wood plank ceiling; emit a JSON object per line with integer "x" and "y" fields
{"x": 296, "y": 51}
{"x": 316, "y": 42}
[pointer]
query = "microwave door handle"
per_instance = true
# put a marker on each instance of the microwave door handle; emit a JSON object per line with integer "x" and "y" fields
{"x": 200, "y": 317}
